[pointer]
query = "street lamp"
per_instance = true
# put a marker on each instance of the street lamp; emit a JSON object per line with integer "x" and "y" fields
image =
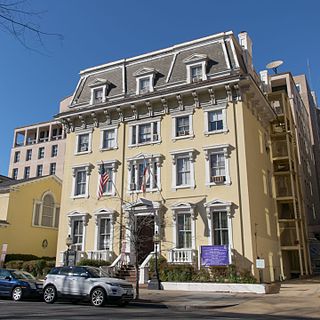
{"x": 155, "y": 282}
{"x": 69, "y": 242}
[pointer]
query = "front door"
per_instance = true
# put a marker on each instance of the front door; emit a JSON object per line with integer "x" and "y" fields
{"x": 144, "y": 236}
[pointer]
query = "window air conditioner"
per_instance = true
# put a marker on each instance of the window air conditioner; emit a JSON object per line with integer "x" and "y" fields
{"x": 217, "y": 179}
{"x": 183, "y": 133}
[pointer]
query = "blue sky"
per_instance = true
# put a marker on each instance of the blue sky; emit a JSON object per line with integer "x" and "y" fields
{"x": 99, "y": 31}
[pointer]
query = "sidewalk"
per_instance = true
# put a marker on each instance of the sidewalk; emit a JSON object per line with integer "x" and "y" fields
{"x": 297, "y": 298}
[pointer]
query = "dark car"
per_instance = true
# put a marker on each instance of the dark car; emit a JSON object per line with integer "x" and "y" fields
{"x": 19, "y": 284}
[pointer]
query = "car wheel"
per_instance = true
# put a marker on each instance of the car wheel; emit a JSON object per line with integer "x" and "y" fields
{"x": 50, "y": 294}
{"x": 98, "y": 297}
{"x": 16, "y": 294}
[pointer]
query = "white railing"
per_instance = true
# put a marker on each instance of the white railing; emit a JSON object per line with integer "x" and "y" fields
{"x": 144, "y": 269}
{"x": 100, "y": 255}
{"x": 182, "y": 255}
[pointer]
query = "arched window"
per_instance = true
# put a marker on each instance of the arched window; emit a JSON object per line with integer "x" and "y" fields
{"x": 46, "y": 212}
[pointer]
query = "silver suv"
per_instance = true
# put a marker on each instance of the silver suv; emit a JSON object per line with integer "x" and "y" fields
{"x": 81, "y": 283}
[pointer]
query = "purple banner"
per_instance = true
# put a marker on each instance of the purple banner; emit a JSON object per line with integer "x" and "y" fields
{"x": 214, "y": 256}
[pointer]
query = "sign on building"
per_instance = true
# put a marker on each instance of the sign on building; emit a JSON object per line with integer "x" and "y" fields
{"x": 214, "y": 256}
{"x": 260, "y": 264}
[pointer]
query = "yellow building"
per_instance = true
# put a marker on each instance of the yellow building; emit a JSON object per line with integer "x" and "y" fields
{"x": 29, "y": 215}
{"x": 190, "y": 124}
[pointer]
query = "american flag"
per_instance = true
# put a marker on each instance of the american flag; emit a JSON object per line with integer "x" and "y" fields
{"x": 145, "y": 177}
{"x": 104, "y": 178}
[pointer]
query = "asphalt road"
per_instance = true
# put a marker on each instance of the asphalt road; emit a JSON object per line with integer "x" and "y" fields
{"x": 39, "y": 310}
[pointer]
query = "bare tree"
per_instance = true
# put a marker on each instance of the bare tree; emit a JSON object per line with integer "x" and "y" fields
{"x": 17, "y": 19}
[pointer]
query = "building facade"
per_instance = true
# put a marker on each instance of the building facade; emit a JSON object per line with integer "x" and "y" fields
{"x": 30, "y": 208}
{"x": 37, "y": 150}
{"x": 184, "y": 136}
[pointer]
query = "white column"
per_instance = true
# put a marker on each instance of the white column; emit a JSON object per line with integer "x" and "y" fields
{"x": 209, "y": 216}
{"x": 230, "y": 235}
{"x": 193, "y": 228}
{"x": 50, "y": 132}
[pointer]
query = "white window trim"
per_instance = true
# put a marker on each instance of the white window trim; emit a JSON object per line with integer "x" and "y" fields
{"x": 113, "y": 164}
{"x": 150, "y": 77}
{"x": 226, "y": 149}
{"x": 184, "y": 208}
{"x": 56, "y": 206}
{"x": 104, "y": 213}
{"x": 151, "y": 159}
{"x": 103, "y": 129}
{"x": 216, "y": 206}
{"x": 76, "y": 168}
{"x": 104, "y": 89}
{"x": 174, "y": 127}
{"x": 182, "y": 153}
{"x": 224, "y": 119}
{"x": 137, "y": 124}
{"x": 202, "y": 64}
{"x": 77, "y": 216}
{"x": 78, "y": 134}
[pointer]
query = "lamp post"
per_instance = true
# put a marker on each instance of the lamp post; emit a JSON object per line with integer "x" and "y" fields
{"x": 156, "y": 241}
{"x": 69, "y": 242}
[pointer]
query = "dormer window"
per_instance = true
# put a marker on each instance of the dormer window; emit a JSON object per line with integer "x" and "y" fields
{"x": 196, "y": 67}
{"x": 144, "y": 85}
{"x": 99, "y": 89}
{"x": 145, "y": 80}
{"x": 97, "y": 95}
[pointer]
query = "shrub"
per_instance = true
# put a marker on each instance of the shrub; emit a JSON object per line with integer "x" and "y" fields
{"x": 14, "y": 264}
{"x": 177, "y": 273}
{"x": 25, "y": 257}
{"x": 93, "y": 263}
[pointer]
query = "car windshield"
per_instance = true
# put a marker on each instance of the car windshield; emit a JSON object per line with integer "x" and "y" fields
{"x": 97, "y": 273}
{"x": 22, "y": 275}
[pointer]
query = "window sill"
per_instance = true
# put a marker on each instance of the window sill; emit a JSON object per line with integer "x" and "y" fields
{"x": 225, "y": 183}
{"x": 144, "y": 144}
{"x": 108, "y": 149}
{"x": 208, "y": 133}
{"x": 183, "y": 187}
{"x": 82, "y": 196}
{"x": 83, "y": 152}
{"x": 148, "y": 190}
{"x": 189, "y": 136}
{"x": 46, "y": 227}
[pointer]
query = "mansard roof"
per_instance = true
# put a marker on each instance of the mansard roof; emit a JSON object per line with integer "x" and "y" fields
{"x": 168, "y": 65}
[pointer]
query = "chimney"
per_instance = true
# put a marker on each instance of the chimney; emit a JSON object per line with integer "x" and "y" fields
{"x": 264, "y": 77}
{"x": 246, "y": 44}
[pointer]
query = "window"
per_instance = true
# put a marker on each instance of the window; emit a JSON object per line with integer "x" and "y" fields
{"x": 41, "y": 153}
{"x": 16, "y": 156}
{"x": 53, "y": 167}
{"x": 46, "y": 212}
{"x": 54, "y": 150}
{"x": 184, "y": 230}
{"x": 145, "y": 133}
{"x": 144, "y": 173}
{"x": 77, "y": 234}
{"x": 217, "y": 167}
{"x": 217, "y": 164}
{"x": 104, "y": 233}
{"x": 182, "y": 126}
{"x": 28, "y": 155}
{"x": 219, "y": 215}
{"x": 215, "y": 119}
{"x": 27, "y": 172}
{"x": 298, "y": 86}
{"x": 109, "y": 139}
{"x": 144, "y": 85}
{"x": 81, "y": 180}
{"x": 183, "y": 169}
{"x": 83, "y": 142}
{"x": 56, "y": 133}
{"x": 39, "y": 170}
{"x": 108, "y": 187}
{"x": 98, "y": 95}
{"x": 15, "y": 174}
{"x": 220, "y": 228}
{"x": 196, "y": 67}
{"x": 196, "y": 73}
